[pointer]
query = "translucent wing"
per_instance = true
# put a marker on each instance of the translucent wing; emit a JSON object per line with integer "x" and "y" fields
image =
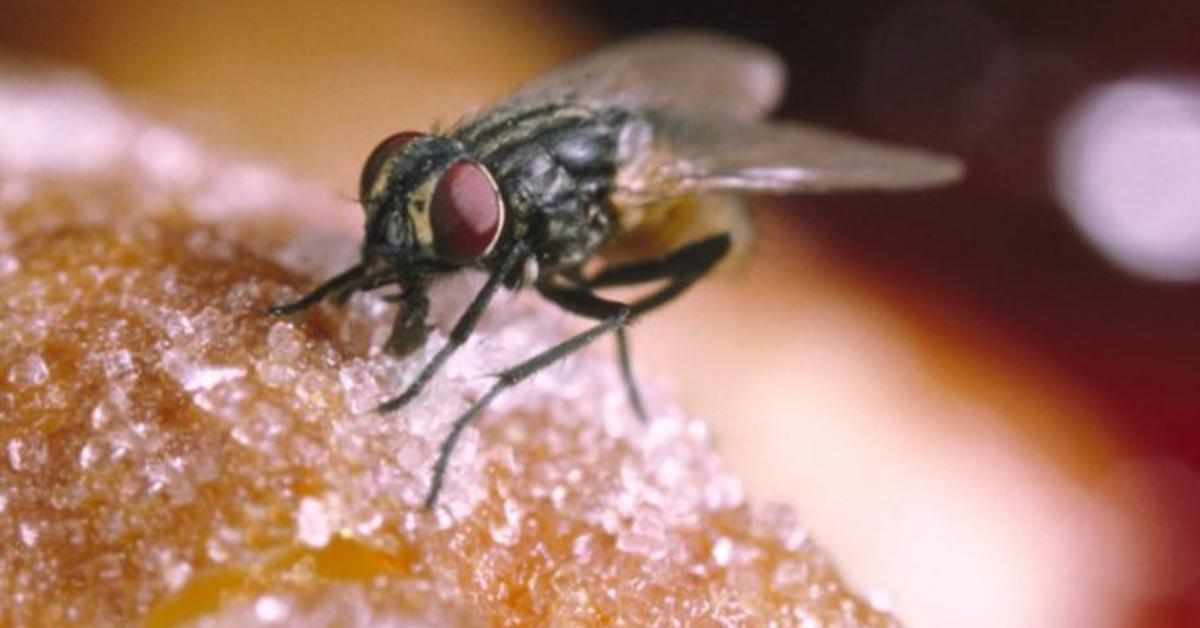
{"x": 690, "y": 72}
{"x": 671, "y": 155}
{"x": 699, "y": 98}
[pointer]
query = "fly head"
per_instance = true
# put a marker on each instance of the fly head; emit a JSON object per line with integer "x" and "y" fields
{"x": 430, "y": 206}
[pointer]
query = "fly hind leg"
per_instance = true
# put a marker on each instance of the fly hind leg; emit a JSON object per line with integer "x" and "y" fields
{"x": 681, "y": 268}
{"x": 614, "y": 316}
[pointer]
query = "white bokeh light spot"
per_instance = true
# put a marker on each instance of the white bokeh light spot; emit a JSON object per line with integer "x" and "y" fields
{"x": 1127, "y": 169}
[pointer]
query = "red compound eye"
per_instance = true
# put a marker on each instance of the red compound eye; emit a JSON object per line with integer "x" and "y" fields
{"x": 466, "y": 213}
{"x": 388, "y": 147}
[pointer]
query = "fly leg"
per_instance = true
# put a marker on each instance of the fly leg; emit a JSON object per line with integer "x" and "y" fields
{"x": 366, "y": 284}
{"x": 631, "y": 387}
{"x": 347, "y": 281}
{"x": 409, "y": 329}
{"x": 682, "y": 267}
{"x": 462, "y": 329}
{"x": 693, "y": 260}
{"x": 582, "y": 302}
{"x": 614, "y": 316}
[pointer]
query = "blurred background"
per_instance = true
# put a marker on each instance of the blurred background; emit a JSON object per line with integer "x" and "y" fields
{"x": 983, "y": 400}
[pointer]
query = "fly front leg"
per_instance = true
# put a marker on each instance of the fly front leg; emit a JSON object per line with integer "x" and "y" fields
{"x": 409, "y": 329}
{"x": 348, "y": 280}
{"x": 366, "y": 284}
{"x": 462, "y": 329}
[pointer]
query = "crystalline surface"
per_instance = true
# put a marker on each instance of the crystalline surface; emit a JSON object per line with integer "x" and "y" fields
{"x": 173, "y": 455}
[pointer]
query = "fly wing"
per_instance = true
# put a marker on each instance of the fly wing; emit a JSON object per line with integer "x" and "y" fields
{"x": 690, "y": 72}
{"x": 673, "y": 155}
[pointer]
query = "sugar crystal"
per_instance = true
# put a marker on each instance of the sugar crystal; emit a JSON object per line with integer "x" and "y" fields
{"x": 118, "y": 365}
{"x": 177, "y": 574}
{"x": 721, "y": 551}
{"x": 193, "y": 375}
{"x": 284, "y": 342}
{"x": 14, "y": 453}
{"x": 270, "y": 609}
{"x": 29, "y": 371}
{"x": 29, "y": 534}
{"x": 88, "y": 455}
{"x": 216, "y": 551}
{"x": 313, "y": 527}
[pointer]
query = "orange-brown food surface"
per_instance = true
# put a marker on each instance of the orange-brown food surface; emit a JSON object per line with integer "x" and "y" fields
{"x": 170, "y": 454}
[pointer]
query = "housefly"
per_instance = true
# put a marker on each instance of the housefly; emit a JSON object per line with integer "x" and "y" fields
{"x": 625, "y": 168}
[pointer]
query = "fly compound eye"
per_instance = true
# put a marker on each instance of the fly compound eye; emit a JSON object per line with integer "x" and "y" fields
{"x": 466, "y": 213}
{"x": 388, "y": 147}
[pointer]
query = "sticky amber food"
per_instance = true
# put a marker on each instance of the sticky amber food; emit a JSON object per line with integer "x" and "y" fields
{"x": 170, "y": 455}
